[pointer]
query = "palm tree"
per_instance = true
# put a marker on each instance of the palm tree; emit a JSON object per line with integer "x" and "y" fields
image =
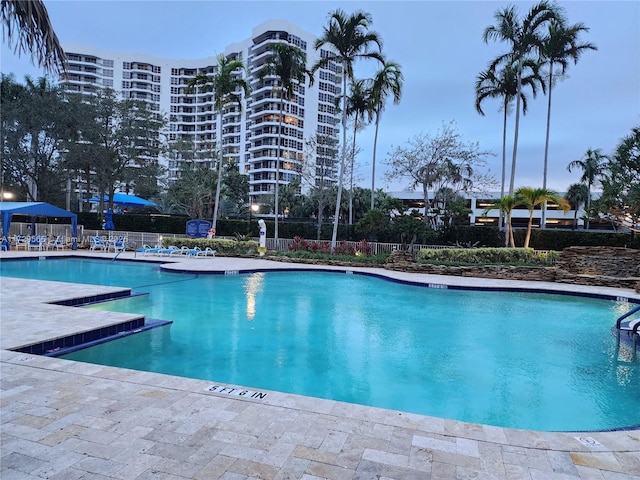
{"x": 505, "y": 204}
{"x": 593, "y": 164}
{"x": 27, "y": 25}
{"x": 532, "y": 197}
{"x": 349, "y": 39}
{"x": 225, "y": 84}
{"x": 560, "y": 46}
{"x": 387, "y": 81}
{"x": 288, "y": 63}
{"x": 504, "y": 85}
{"x": 359, "y": 105}
{"x": 577, "y": 195}
{"x": 525, "y": 38}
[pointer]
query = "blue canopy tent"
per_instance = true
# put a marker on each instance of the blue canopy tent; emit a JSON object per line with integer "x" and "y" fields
{"x": 37, "y": 209}
{"x": 125, "y": 200}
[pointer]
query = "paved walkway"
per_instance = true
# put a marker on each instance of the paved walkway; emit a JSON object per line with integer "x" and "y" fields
{"x": 70, "y": 420}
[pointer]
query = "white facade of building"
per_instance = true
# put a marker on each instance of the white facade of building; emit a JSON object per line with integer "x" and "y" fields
{"x": 248, "y": 136}
{"x": 479, "y": 215}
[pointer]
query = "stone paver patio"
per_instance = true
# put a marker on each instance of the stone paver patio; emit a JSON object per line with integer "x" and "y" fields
{"x": 69, "y": 420}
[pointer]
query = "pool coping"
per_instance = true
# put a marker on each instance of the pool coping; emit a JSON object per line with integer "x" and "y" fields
{"x": 583, "y": 457}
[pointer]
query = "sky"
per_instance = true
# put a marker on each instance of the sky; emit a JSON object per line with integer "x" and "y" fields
{"x": 439, "y": 47}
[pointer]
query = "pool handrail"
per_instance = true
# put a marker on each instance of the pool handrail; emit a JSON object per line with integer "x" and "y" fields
{"x": 632, "y": 326}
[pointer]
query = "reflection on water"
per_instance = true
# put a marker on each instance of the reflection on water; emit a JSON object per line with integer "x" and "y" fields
{"x": 252, "y": 286}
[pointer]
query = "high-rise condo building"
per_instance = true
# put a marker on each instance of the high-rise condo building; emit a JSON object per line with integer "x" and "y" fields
{"x": 249, "y": 135}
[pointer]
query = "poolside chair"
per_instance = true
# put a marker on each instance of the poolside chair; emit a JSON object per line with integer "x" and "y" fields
{"x": 98, "y": 243}
{"x": 118, "y": 244}
{"x": 56, "y": 243}
{"x": 169, "y": 250}
{"x": 37, "y": 242}
{"x": 21, "y": 241}
{"x": 180, "y": 251}
{"x": 195, "y": 252}
{"x": 208, "y": 252}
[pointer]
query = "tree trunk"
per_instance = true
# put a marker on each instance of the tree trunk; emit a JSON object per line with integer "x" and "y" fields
{"x": 543, "y": 217}
{"x": 373, "y": 162}
{"x": 220, "y": 160}
{"x": 515, "y": 133}
{"x": 336, "y": 218}
{"x": 353, "y": 157}
{"x": 275, "y": 233}
{"x": 529, "y": 227}
{"x": 504, "y": 163}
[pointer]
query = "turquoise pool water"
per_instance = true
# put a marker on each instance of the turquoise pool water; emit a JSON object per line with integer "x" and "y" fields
{"x": 533, "y": 361}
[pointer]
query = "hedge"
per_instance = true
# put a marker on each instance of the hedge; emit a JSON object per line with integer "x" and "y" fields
{"x": 484, "y": 236}
{"x": 484, "y": 256}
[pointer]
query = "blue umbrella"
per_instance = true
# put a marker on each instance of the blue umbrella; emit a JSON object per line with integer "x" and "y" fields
{"x": 125, "y": 200}
{"x": 108, "y": 223}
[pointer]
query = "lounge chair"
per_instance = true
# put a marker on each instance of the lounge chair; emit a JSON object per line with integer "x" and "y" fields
{"x": 208, "y": 252}
{"x": 56, "y": 243}
{"x": 180, "y": 251}
{"x": 172, "y": 249}
{"x": 37, "y": 242}
{"x": 118, "y": 244}
{"x": 98, "y": 243}
{"x": 195, "y": 252}
{"x": 21, "y": 241}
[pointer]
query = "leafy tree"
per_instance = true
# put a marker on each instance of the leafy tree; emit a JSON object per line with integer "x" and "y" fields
{"x": 227, "y": 86}
{"x": 387, "y": 82}
{"x": 318, "y": 164}
{"x": 120, "y": 135}
{"x": 35, "y": 124}
{"x": 236, "y": 189}
{"x": 290, "y": 196}
{"x": 526, "y": 38}
{"x": 503, "y": 84}
{"x": 533, "y": 197}
{"x": 577, "y": 195}
{"x": 593, "y": 165}
{"x": 192, "y": 193}
{"x": 27, "y": 27}
{"x": 620, "y": 199}
{"x": 348, "y": 39}
{"x": 288, "y": 64}
{"x": 560, "y": 46}
{"x": 437, "y": 162}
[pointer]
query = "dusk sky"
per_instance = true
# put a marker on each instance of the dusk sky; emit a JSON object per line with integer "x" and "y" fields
{"x": 440, "y": 49}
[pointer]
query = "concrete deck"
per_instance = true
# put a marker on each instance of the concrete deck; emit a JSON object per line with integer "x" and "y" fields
{"x": 71, "y": 420}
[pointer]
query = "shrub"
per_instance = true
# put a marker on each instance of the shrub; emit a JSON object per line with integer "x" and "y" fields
{"x": 484, "y": 256}
{"x": 220, "y": 245}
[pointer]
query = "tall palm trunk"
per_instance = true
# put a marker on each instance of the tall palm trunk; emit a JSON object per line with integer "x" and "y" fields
{"x": 219, "y": 181}
{"x": 334, "y": 235}
{"x": 517, "y": 126}
{"x": 588, "y": 204}
{"x": 353, "y": 157}
{"x": 504, "y": 163}
{"x": 373, "y": 163}
{"x": 543, "y": 218}
{"x": 275, "y": 234}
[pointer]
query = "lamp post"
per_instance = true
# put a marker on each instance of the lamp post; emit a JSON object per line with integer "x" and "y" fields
{"x": 253, "y": 209}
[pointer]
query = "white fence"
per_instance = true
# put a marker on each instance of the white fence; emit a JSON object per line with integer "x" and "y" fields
{"x": 138, "y": 239}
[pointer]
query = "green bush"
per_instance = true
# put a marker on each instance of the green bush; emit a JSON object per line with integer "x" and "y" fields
{"x": 487, "y": 256}
{"x": 548, "y": 239}
{"x": 220, "y": 245}
{"x": 379, "y": 259}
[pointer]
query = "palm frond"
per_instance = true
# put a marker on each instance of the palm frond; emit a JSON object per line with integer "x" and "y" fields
{"x": 26, "y": 26}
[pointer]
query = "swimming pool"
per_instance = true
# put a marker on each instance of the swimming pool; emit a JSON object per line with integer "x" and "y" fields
{"x": 541, "y": 362}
